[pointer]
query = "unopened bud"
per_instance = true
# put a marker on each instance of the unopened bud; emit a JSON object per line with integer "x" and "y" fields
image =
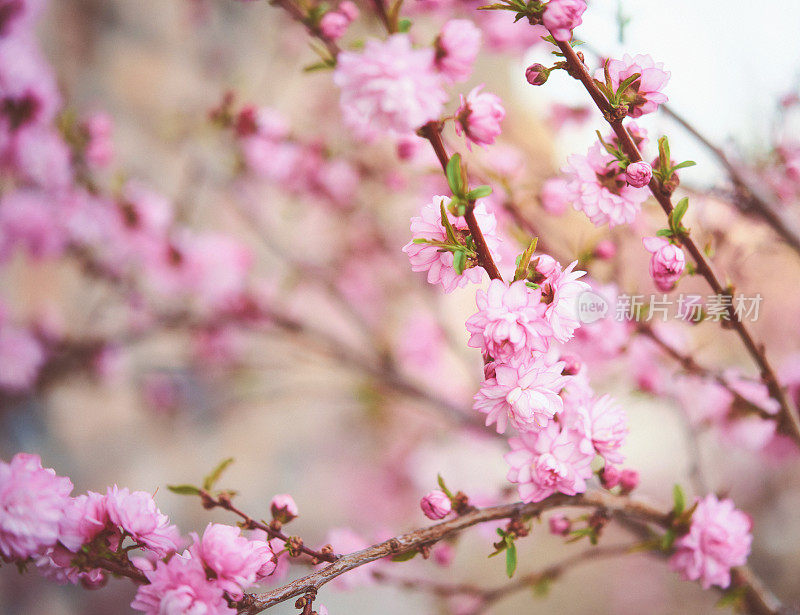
{"x": 436, "y": 505}
{"x": 610, "y": 477}
{"x": 559, "y": 525}
{"x": 283, "y": 508}
{"x": 638, "y": 174}
{"x": 537, "y": 74}
{"x": 629, "y": 480}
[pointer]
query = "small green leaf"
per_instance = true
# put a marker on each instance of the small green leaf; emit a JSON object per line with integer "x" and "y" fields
{"x": 525, "y": 260}
{"x": 443, "y": 487}
{"x": 455, "y": 177}
{"x": 448, "y": 228}
{"x": 404, "y": 557}
{"x": 479, "y": 193}
{"x": 684, "y": 165}
{"x": 626, "y": 84}
{"x": 404, "y": 25}
{"x": 184, "y": 489}
{"x": 459, "y": 261}
{"x": 511, "y": 557}
{"x": 679, "y": 497}
{"x": 677, "y": 215}
{"x": 212, "y": 478}
{"x": 663, "y": 153}
{"x": 324, "y": 65}
{"x": 733, "y": 597}
{"x": 667, "y": 539}
{"x": 664, "y": 232}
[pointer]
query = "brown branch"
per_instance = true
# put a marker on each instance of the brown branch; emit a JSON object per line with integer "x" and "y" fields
{"x": 522, "y": 582}
{"x": 294, "y": 543}
{"x": 789, "y": 423}
{"x": 432, "y": 131}
{"x": 640, "y": 512}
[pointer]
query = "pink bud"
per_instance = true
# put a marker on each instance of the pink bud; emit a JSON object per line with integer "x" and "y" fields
{"x": 559, "y": 525}
{"x": 638, "y": 174}
{"x": 283, "y": 508}
{"x": 610, "y": 477}
{"x": 436, "y": 505}
{"x": 537, "y": 74}
{"x": 349, "y": 10}
{"x": 572, "y": 365}
{"x": 334, "y": 24}
{"x": 629, "y": 480}
{"x": 605, "y": 249}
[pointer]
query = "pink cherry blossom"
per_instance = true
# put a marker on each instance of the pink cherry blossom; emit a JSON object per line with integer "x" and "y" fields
{"x": 32, "y": 500}
{"x": 28, "y": 220}
{"x": 100, "y": 148}
{"x": 349, "y": 9}
{"x": 180, "y": 586}
{"x": 607, "y": 427}
{"x": 666, "y": 264}
{"x": 437, "y": 262}
{"x": 137, "y": 514}
{"x": 234, "y": 560}
{"x": 436, "y": 505}
{"x": 457, "y": 47}
{"x": 524, "y": 392}
{"x": 560, "y": 291}
{"x": 555, "y": 196}
{"x": 644, "y": 95}
{"x": 563, "y": 16}
{"x": 510, "y": 322}
{"x": 548, "y": 461}
{"x": 83, "y": 518}
{"x": 719, "y": 539}
{"x": 390, "y": 87}
{"x": 21, "y": 357}
{"x": 479, "y": 117}
{"x": 597, "y": 186}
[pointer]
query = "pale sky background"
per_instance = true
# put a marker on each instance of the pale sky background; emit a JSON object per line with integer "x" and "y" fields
{"x": 730, "y": 62}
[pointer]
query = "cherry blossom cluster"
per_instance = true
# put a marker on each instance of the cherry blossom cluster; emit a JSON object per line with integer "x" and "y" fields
{"x": 85, "y": 538}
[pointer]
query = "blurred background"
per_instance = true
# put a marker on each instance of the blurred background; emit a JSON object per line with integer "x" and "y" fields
{"x": 351, "y": 399}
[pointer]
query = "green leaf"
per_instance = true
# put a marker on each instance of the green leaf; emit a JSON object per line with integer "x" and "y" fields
{"x": 211, "y": 479}
{"x": 733, "y": 597}
{"x": 443, "y": 487}
{"x": 511, "y": 557}
{"x": 663, "y": 153}
{"x": 448, "y": 228}
{"x": 525, "y": 260}
{"x": 479, "y": 193}
{"x": 324, "y": 65}
{"x": 184, "y": 489}
{"x": 626, "y": 84}
{"x": 679, "y": 497}
{"x": 664, "y": 232}
{"x": 404, "y": 557}
{"x": 459, "y": 261}
{"x": 667, "y": 539}
{"x": 684, "y": 165}
{"x": 455, "y": 176}
{"x": 677, "y": 215}
{"x": 404, "y": 25}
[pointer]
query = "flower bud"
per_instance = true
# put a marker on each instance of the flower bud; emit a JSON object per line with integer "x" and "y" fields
{"x": 436, "y": 505}
{"x": 638, "y": 174}
{"x": 537, "y": 74}
{"x": 349, "y": 10}
{"x": 334, "y": 24}
{"x": 559, "y": 525}
{"x": 629, "y": 480}
{"x": 605, "y": 249}
{"x": 610, "y": 477}
{"x": 283, "y": 508}
{"x": 572, "y": 365}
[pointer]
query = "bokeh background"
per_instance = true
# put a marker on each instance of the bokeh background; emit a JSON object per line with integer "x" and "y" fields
{"x": 352, "y": 451}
